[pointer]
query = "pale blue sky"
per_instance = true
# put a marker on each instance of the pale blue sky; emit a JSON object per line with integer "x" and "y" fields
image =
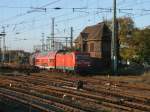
{"x": 20, "y": 24}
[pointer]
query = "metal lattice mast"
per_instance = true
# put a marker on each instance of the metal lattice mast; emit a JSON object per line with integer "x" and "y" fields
{"x": 71, "y": 38}
{"x": 52, "y": 34}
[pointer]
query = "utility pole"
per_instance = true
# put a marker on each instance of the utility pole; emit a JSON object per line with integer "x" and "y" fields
{"x": 0, "y": 44}
{"x": 54, "y": 45}
{"x": 71, "y": 38}
{"x": 9, "y": 56}
{"x": 4, "y": 46}
{"x": 0, "y": 50}
{"x": 52, "y": 34}
{"x": 2, "y": 34}
{"x": 66, "y": 42}
{"x": 114, "y": 40}
{"x": 48, "y": 44}
{"x": 43, "y": 45}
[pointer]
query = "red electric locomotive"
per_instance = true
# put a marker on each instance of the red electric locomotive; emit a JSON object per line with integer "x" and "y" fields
{"x": 73, "y": 61}
{"x": 63, "y": 61}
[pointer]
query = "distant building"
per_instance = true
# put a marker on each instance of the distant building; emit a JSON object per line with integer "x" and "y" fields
{"x": 16, "y": 56}
{"x": 96, "y": 40}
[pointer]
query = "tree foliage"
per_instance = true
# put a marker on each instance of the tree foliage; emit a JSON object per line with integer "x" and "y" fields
{"x": 125, "y": 27}
{"x": 142, "y": 44}
{"x": 134, "y": 43}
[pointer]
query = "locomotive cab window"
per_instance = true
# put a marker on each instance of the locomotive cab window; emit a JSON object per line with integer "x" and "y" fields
{"x": 82, "y": 57}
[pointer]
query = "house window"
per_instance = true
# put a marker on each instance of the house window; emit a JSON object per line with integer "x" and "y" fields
{"x": 91, "y": 47}
{"x": 85, "y": 47}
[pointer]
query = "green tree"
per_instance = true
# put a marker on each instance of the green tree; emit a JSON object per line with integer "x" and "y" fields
{"x": 125, "y": 28}
{"x": 134, "y": 42}
{"x": 141, "y": 39}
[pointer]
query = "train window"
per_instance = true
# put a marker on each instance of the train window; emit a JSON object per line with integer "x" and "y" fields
{"x": 51, "y": 60}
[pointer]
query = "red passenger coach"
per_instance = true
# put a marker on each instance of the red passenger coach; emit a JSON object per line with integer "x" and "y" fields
{"x": 45, "y": 60}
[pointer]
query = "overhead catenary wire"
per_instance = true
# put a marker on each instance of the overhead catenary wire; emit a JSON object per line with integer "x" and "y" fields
{"x": 102, "y": 10}
{"x": 73, "y": 8}
{"x": 77, "y": 17}
{"x": 85, "y": 11}
{"x": 29, "y": 11}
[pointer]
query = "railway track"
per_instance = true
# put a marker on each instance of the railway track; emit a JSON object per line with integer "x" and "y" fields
{"x": 98, "y": 98}
{"x": 116, "y": 91}
{"x": 21, "y": 88}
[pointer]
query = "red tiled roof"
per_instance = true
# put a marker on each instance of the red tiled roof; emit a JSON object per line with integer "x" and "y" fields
{"x": 94, "y": 32}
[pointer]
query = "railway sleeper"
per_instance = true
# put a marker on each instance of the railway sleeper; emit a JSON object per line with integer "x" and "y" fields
{"x": 54, "y": 99}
